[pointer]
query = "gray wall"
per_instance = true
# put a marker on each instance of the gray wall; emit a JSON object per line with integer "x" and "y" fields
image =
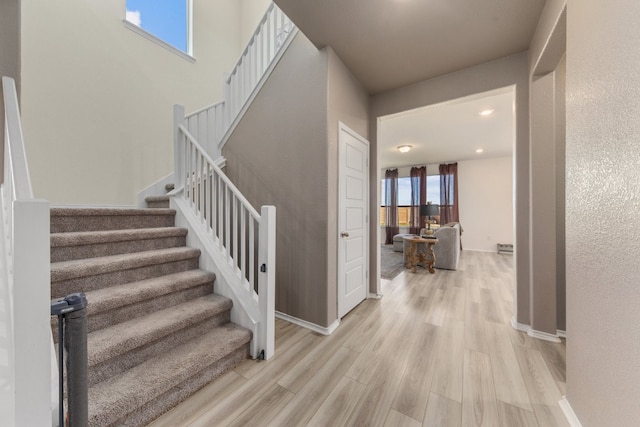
{"x": 348, "y": 103}
{"x": 603, "y": 205}
{"x": 9, "y": 56}
{"x": 547, "y": 170}
{"x": 561, "y": 126}
{"x": 285, "y": 153}
{"x": 278, "y": 155}
{"x": 543, "y": 206}
{"x": 511, "y": 70}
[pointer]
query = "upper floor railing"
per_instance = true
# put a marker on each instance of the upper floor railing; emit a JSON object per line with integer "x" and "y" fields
{"x": 25, "y": 282}
{"x": 241, "y": 239}
{"x": 212, "y": 125}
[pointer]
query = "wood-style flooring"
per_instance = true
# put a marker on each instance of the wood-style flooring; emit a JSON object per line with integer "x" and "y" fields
{"x": 435, "y": 350}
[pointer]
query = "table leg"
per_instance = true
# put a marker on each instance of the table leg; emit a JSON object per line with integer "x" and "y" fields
{"x": 412, "y": 255}
{"x": 432, "y": 262}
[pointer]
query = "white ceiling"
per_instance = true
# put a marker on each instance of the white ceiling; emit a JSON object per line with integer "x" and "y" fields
{"x": 450, "y": 131}
{"x": 392, "y": 43}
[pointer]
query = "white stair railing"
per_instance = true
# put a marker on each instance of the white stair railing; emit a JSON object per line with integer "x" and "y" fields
{"x": 230, "y": 230}
{"x": 25, "y": 288}
{"x": 212, "y": 125}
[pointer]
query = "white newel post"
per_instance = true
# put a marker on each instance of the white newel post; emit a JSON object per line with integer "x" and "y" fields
{"x": 178, "y": 147}
{"x": 32, "y": 298}
{"x": 267, "y": 280}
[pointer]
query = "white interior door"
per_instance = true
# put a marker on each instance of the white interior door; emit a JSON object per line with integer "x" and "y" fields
{"x": 353, "y": 223}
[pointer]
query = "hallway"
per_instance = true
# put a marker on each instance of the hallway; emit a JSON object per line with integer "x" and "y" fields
{"x": 435, "y": 350}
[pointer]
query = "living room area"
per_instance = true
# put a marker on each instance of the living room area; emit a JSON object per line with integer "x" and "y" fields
{"x": 447, "y": 167}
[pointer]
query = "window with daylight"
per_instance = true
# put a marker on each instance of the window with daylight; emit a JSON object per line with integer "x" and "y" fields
{"x": 167, "y": 20}
{"x": 404, "y": 197}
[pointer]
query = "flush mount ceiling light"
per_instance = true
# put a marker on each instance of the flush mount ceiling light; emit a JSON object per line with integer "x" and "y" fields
{"x": 486, "y": 112}
{"x": 480, "y": 150}
{"x": 404, "y": 148}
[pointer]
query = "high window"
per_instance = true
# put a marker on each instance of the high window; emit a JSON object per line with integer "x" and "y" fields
{"x": 404, "y": 197}
{"x": 167, "y": 20}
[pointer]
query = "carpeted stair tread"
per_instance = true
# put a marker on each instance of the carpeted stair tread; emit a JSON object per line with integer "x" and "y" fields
{"x": 93, "y": 219}
{"x": 109, "y": 236}
{"x": 118, "y": 339}
{"x": 92, "y": 244}
{"x": 66, "y": 270}
{"x": 120, "y": 303}
{"x": 157, "y": 198}
{"x": 131, "y": 293}
{"x": 56, "y": 212}
{"x": 115, "y": 398}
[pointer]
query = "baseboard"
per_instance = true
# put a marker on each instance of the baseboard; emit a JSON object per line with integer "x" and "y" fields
{"x": 543, "y": 335}
{"x": 308, "y": 325}
{"x": 567, "y": 410}
{"x": 561, "y": 333}
{"x": 519, "y": 326}
{"x": 535, "y": 334}
{"x": 374, "y": 296}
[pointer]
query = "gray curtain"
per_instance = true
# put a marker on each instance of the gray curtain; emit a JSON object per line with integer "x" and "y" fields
{"x": 391, "y": 205}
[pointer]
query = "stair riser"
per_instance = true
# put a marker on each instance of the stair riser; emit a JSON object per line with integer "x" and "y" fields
{"x": 67, "y": 253}
{"x": 98, "y": 321}
{"x": 100, "y": 281}
{"x": 72, "y": 223}
{"x": 115, "y": 316}
{"x": 122, "y": 362}
{"x": 158, "y": 204}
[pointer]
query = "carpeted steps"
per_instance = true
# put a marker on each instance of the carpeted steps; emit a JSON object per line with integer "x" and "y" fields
{"x": 157, "y": 333}
{"x": 156, "y": 202}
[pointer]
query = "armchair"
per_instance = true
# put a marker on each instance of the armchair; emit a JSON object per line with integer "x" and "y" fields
{"x": 447, "y": 250}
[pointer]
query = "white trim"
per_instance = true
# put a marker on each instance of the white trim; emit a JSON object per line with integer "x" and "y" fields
{"x": 536, "y": 334}
{"x": 190, "y": 28}
{"x": 308, "y": 325}
{"x": 543, "y": 335}
{"x": 567, "y": 410}
{"x": 374, "y": 296}
{"x": 147, "y": 35}
{"x": 561, "y": 333}
{"x": 519, "y": 326}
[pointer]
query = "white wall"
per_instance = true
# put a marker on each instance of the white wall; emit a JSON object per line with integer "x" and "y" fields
{"x": 97, "y": 98}
{"x": 485, "y": 197}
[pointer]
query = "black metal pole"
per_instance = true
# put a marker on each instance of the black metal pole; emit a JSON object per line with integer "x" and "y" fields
{"x": 72, "y": 318}
{"x": 60, "y": 371}
{"x": 75, "y": 344}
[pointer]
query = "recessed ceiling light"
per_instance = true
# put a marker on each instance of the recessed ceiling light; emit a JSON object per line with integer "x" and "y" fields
{"x": 404, "y": 148}
{"x": 480, "y": 150}
{"x": 486, "y": 112}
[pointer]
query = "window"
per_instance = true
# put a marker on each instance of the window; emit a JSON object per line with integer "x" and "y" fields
{"x": 168, "y": 20}
{"x": 404, "y": 197}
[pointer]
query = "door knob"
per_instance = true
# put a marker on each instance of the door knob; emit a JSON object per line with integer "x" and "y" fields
{"x": 344, "y": 234}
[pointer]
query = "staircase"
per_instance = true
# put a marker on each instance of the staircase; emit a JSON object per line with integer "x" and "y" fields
{"x": 157, "y": 333}
{"x": 160, "y": 201}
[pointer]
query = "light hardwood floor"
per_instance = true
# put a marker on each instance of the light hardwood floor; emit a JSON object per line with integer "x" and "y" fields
{"x": 436, "y": 350}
